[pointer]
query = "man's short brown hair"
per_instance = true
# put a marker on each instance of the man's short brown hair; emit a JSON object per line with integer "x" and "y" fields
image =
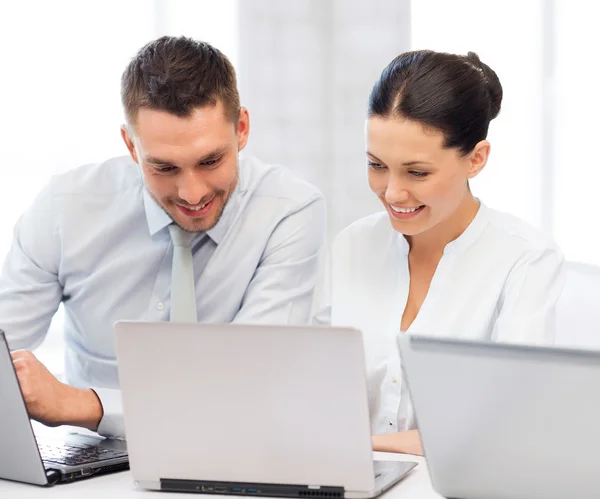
{"x": 177, "y": 75}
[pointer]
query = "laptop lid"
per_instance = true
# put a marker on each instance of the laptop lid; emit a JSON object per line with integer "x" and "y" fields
{"x": 196, "y": 407}
{"x": 19, "y": 455}
{"x": 502, "y": 420}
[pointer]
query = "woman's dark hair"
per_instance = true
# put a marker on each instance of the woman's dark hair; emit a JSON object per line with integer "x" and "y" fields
{"x": 457, "y": 95}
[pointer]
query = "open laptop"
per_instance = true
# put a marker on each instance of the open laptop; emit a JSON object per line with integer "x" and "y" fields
{"x": 506, "y": 421}
{"x": 25, "y": 458}
{"x": 249, "y": 410}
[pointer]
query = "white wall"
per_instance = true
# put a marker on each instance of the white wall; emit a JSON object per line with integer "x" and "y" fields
{"x": 62, "y": 63}
{"x": 507, "y": 37}
{"x": 577, "y": 173}
{"x": 543, "y": 166}
{"x": 59, "y": 92}
{"x": 306, "y": 70}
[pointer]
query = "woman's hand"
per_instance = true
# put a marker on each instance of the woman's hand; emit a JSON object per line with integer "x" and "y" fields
{"x": 406, "y": 442}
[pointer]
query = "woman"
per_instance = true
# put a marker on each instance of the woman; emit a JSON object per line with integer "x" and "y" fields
{"x": 438, "y": 261}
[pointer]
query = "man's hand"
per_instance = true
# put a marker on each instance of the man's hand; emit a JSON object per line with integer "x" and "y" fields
{"x": 51, "y": 402}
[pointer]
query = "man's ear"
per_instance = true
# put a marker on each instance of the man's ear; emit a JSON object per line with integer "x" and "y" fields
{"x": 128, "y": 139}
{"x": 243, "y": 128}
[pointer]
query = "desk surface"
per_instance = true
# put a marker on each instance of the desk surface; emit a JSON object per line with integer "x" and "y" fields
{"x": 120, "y": 485}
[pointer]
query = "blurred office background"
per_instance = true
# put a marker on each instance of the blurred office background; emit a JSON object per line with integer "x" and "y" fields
{"x": 305, "y": 69}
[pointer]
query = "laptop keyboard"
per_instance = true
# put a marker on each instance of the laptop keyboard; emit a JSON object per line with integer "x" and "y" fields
{"x": 75, "y": 455}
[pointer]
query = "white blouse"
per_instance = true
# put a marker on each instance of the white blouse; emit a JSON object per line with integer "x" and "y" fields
{"x": 500, "y": 281}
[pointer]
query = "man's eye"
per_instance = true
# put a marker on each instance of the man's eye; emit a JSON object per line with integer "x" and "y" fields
{"x": 166, "y": 169}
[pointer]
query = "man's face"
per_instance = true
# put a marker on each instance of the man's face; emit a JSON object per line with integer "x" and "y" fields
{"x": 189, "y": 165}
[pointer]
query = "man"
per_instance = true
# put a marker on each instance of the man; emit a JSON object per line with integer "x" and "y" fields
{"x": 180, "y": 230}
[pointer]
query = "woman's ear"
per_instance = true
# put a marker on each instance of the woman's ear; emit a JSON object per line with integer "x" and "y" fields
{"x": 478, "y": 158}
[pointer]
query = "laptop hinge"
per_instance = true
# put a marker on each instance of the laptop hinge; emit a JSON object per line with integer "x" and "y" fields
{"x": 251, "y": 489}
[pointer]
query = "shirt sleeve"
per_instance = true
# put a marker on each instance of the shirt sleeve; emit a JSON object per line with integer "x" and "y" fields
{"x": 112, "y": 424}
{"x": 282, "y": 288}
{"x": 323, "y": 307}
{"x": 30, "y": 290}
{"x": 528, "y": 305}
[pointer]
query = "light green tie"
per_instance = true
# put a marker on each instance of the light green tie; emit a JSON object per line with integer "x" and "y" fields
{"x": 183, "y": 293}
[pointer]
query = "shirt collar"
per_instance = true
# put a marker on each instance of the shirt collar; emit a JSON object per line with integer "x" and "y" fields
{"x": 231, "y": 208}
{"x": 471, "y": 233}
{"x": 158, "y": 219}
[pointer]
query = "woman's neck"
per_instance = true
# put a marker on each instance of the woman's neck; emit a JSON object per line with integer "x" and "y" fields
{"x": 435, "y": 239}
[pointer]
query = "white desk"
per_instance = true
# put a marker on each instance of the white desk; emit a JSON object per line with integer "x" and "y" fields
{"x": 120, "y": 486}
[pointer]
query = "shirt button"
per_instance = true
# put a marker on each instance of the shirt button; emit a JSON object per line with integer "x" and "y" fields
{"x": 391, "y": 424}
{"x": 394, "y": 380}
{"x": 160, "y": 306}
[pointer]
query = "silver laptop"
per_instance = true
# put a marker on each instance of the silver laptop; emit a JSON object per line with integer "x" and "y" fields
{"x": 25, "y": 458}
{"x": 506, "y": 421}
{"x": 249, "y": 410}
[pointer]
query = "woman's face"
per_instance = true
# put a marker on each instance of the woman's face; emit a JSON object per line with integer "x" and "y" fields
{"x": 420, "y": 183}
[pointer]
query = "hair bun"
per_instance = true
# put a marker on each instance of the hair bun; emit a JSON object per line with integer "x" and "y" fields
{"x": 492, "y": 83}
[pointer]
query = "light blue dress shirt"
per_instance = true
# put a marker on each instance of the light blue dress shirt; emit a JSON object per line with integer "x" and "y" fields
{"x": 96, "y": 240}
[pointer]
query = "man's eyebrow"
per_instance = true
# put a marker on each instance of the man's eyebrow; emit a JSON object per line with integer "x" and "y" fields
{"x": 158, "y": 161}
{"x": 208, "y": 157}
{"x": 214, "y": 155}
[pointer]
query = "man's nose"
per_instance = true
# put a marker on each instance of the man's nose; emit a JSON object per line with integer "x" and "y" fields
{"x": 192, "y": 188}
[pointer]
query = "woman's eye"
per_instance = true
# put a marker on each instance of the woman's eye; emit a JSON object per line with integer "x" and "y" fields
{"x": 418, "y": 174}
{"x": 376, "y": 166}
